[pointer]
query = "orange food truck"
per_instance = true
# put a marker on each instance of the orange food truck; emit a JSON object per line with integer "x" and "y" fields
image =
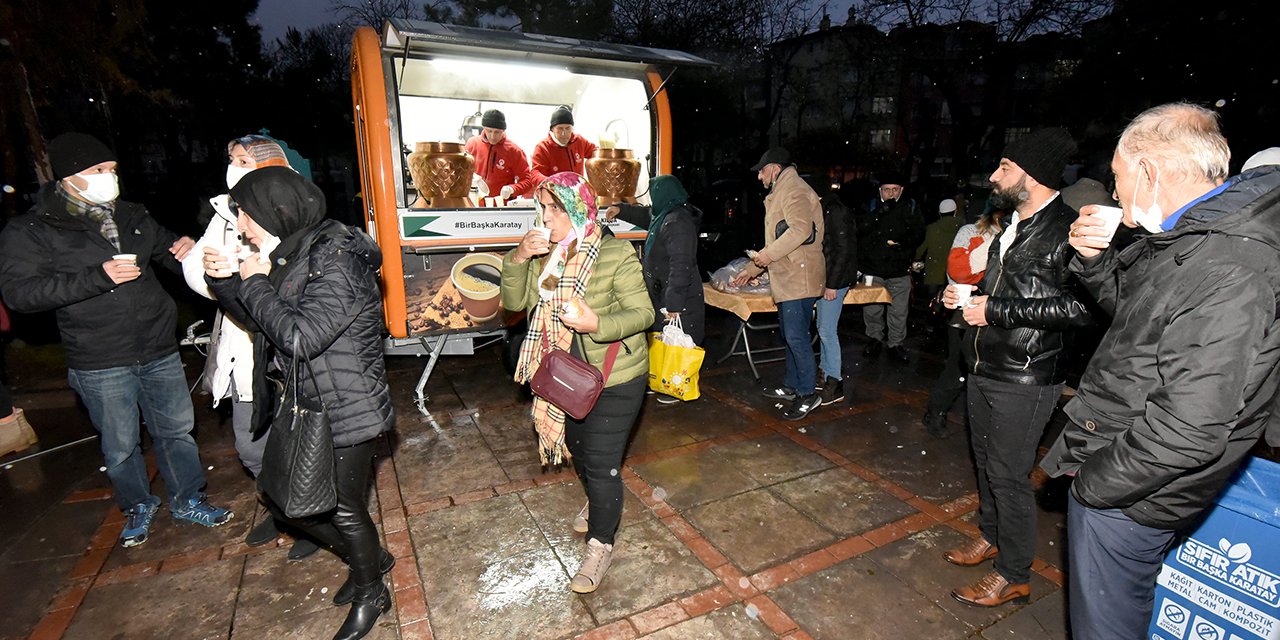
{"x": 418, "y": 92}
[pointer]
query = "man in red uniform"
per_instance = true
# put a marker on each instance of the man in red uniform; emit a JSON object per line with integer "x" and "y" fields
{"x": 499, "y": 162}
{"x": 563, "y": 150}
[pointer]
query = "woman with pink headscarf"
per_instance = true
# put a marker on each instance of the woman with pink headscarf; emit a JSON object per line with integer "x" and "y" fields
{"x": 584, "y": 291}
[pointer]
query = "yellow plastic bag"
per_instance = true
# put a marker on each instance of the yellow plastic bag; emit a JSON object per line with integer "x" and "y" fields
{"x": 673, "y": 370}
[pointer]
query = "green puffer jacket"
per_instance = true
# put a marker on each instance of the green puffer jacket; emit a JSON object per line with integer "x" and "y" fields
{"x": 616, "y": 293}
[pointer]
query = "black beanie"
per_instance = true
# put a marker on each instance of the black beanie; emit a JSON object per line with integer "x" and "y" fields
{"x": 1043, "y": 154}
{"x": 494, "y": 119}
{"x": 562, "y": 115}
{"x": 71, "y": 153}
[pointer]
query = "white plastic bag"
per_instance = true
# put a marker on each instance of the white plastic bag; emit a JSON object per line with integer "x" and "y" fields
{"x": 673, "y": 334}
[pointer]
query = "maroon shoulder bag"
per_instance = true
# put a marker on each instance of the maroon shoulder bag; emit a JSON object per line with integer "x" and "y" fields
{"x": 569, "y": 383}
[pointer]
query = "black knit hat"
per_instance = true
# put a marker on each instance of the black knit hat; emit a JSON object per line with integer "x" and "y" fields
{"x": 494, "y": 119}
{"x": 562, "y": 115}
{"x": 776, "y": 155}
{"x": 1043, "y": 154}
{"x": 891, "y": 177}
{"x": 71, "y": 153}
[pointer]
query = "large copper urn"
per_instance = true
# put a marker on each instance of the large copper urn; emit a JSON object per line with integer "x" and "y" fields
{"x": 613, "y": 173}
{"x": 442, "y": 174}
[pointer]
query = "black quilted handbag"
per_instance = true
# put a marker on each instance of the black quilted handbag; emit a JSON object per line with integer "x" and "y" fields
{"x": 297, "y": 465}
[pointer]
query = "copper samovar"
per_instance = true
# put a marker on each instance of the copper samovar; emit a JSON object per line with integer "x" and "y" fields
{"x": 442, "y": 174}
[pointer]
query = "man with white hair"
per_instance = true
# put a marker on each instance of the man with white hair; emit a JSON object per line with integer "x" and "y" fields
{"x": 1183, "y": 383}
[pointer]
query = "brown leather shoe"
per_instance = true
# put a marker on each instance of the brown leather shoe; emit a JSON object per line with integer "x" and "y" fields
{"x": 992, "y": 591}
{"x": 971, "y": 554}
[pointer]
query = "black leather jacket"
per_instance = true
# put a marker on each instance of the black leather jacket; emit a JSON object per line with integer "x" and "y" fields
{"x": 1031, "y": 304}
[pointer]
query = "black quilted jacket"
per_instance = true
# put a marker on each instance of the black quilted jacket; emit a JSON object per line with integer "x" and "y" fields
{"x": 331, "y": 296}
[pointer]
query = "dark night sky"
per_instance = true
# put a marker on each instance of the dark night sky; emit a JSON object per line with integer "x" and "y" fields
{"x": 275, "y": 16}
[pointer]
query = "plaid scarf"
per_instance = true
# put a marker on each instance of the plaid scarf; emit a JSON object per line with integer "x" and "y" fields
{"x": 544, "y": 324}
{"x": 103, "y": 214}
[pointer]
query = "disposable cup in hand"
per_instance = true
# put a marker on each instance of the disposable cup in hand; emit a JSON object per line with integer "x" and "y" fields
{"x": 231, "y": 255}
{"x": 963, "y": 293}
{"x": 131, "y": 257}
{"x": 870, "y": 281}
{"x": 1110, "y": 215}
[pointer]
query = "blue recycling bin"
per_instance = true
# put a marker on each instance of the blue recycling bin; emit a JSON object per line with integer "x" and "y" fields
{"x": 1223, "y": 581}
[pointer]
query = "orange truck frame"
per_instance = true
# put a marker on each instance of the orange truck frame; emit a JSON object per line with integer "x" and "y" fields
{"x": 417, "y": 82}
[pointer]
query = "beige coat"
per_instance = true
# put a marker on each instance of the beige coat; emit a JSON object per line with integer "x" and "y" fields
{"x": 798, "y": 269}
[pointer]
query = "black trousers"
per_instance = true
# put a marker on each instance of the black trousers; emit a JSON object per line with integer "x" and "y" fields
{"x": 597, "y": 444}
{"x": 1006, "y": 421}
{"x": 6, "y": 401}
{"x": 348, "y": 530}
{"x": 950, "y": 382}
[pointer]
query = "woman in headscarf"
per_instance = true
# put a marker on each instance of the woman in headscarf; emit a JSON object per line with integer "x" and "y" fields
{"x": 228, "y": 371}
{"x": 316, "y": 278}
{"x": 584, "y": 290}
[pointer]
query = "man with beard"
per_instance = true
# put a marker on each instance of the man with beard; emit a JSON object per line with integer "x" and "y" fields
{"x": 1014, "y": 354}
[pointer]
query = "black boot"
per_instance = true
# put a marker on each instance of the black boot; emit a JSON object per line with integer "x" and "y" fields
{"x": 264, "y": 532}
{"x": 347, "y": 591}
{"x": 935, "y": 424}
{"x": 371, "y": 600}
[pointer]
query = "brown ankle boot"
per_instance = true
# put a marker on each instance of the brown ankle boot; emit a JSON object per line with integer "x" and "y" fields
{"x": 972, "y": 553}
{"x": 992, "y": 591}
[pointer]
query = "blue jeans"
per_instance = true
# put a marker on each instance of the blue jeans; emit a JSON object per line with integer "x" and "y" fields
{"x": 828, "y": 319}
{"x": 794, "y": 317}
{"x": 113, "y": 397}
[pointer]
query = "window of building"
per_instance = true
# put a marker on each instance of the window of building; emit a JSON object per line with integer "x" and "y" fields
{"x": 1014, "y": 133}
{"x": 882, "y": 137}
{"x": 882, "y": 105}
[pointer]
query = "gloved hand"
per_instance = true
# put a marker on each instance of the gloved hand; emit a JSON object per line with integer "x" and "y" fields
{"x": 917, "y": 267}
{"x": 481, "y": 187}
{"x": 507, "y": 191}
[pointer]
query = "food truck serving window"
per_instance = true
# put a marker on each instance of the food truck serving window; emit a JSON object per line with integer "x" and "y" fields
{"x": 438, "y": 94}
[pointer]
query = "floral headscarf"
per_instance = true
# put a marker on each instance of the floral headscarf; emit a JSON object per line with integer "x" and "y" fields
{"x": 564, "y": 277}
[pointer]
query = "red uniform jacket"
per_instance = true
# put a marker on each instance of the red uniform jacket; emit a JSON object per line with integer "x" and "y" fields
{"x": 501, "y": 164}
{"x": 549, "y": 158}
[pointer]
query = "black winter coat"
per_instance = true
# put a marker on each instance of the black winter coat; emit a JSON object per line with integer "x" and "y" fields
{"x": 839, "y": 243}
{"x": 1182, "y": 385}
{"x": 51, "y": 260}
{"x": 671, "y": 271}
{"x": 330, "y": 294}
{"x": 1031, "y": 303}
{"x": 883, "y": 222}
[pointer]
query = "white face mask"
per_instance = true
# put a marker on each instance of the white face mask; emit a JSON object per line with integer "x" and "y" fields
{"x": 269, "y": 244}
{"x": 103, "y": 187}
{"x": 234, "y": 174}
{"x": 1151, "y": 217}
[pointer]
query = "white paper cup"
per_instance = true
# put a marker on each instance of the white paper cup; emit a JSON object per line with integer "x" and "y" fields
{"x": 870, "y": 281}
{"x": 545, "y": 232}
{"x": 231, "y": 253}
{"x": 131, "y": 257}
{"x": 499, "y": 201}
{"x": 1112, "y": 216}
{"x": 963, "y": 293}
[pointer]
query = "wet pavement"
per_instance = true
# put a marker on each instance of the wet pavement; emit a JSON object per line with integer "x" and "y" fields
{"x": 737, "y": 524}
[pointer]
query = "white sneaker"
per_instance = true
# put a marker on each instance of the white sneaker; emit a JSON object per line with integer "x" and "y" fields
{"x": 580, "y": 523}
{"x": 599, "y": 557}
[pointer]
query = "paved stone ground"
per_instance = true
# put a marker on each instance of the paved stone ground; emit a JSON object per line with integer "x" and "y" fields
{"x": 737, "y": 524}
